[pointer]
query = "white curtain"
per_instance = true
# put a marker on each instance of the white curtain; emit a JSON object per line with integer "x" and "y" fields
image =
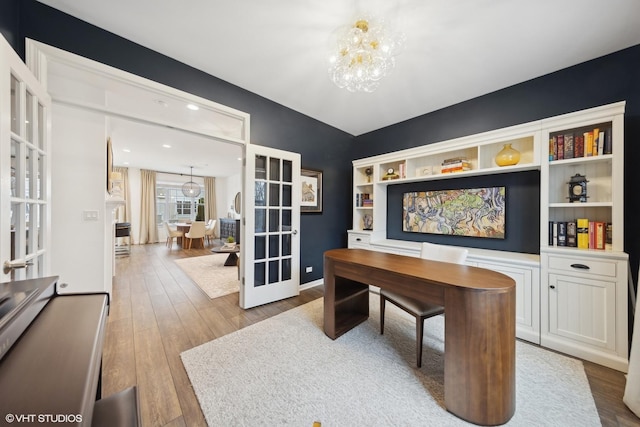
{"x": 123, "y": 214}
{"x": 148, "y": 227}
{"x": 631, "y": 396}
{"x": 210, "y": 198}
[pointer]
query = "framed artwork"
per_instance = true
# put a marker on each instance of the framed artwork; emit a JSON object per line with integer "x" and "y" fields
{"x": 109, "y": 164}
{"x": 473, "y": 212}
{"x": 311, "y": 196}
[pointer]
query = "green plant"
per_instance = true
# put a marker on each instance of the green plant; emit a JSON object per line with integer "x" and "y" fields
{"x": 230, "y": 239}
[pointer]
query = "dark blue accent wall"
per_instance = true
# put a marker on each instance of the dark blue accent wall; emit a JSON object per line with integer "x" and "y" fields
{"x": 601, "y": 81}
{"x": 273, "y": 125}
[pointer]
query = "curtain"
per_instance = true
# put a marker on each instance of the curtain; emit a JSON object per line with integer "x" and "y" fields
{"x": 123, "y": 214}
{"x": 148, "y": 227}
{"x": 210, "y": 198}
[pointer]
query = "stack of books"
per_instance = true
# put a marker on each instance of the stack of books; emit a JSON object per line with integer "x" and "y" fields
{"x": 456, "y": 164}
{"x": 364, "y": 200}
{"x": 580, "y": 233}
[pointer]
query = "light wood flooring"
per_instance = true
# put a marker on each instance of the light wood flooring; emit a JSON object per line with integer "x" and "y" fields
{"x": 157, "y": 312}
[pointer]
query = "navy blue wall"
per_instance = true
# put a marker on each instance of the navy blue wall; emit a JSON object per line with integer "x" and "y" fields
{"x": 321, "y": 146}
{"x": 601, "y": 81}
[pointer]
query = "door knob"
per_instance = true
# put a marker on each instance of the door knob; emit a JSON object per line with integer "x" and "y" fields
{"x": 12, "y": 265}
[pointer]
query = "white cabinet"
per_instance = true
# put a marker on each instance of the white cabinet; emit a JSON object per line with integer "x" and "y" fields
{"x": 584, "y": 290}
{"x": 527, "y": 280}
{"x": 584, "y": 299}
{"x": 570, "y": 299}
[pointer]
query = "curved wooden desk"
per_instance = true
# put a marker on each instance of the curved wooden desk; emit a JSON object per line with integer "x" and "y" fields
{"x": 479, "y": 367}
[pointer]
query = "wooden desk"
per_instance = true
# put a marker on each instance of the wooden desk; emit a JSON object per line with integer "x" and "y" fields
{"x": 479, "y": 367}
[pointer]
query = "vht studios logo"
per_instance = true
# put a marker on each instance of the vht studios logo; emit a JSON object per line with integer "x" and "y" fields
{"x": 43, "y": 418}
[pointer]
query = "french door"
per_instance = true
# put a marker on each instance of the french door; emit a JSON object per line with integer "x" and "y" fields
{"x": 270, "y": 244}
{"x": 24, "y": 170}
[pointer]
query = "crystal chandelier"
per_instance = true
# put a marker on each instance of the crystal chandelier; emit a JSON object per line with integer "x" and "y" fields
{"x": 191, "y": 189}
{"x": 364, "y": 53}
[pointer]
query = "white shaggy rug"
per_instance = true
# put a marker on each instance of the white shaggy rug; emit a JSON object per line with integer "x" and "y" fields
{"x": 210, "y": 274}
{"x": 284, "y": 371}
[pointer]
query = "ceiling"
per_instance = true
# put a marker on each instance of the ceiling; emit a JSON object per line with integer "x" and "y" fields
{"x": 454, "y": 50}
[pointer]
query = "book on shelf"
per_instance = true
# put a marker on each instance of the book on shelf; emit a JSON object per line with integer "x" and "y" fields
{"x": 600, "y": 235}
{"x": 596, "y": 135}
{"x": 608, "y": 240}
{"x": 578, "y": 146}
{"x": 608, "y": 143}
{"x": 562, "y": 233}
{"x": 552, "y": 228}
{"x": 560, "y": 148}
{"x": 588, "y": 144}
{"x": 552, "y": 148}
{"x": 601, "y": 139}
{"x": 454, "y": 160}
{"x": 572, "y": 235}
{"x": 582, "y": 229}
{"x": 568, "y": 146}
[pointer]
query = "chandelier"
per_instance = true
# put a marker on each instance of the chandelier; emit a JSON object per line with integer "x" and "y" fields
{"x": 364, "y": 53}
{"x": 191, "y": 189}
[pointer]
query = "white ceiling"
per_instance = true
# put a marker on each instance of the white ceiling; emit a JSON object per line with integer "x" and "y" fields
{"x": 454, "y": 51}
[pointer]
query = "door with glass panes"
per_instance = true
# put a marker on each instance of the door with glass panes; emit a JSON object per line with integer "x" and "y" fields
{"x": 270, "y": 243}
{"x": 24, "y": 170}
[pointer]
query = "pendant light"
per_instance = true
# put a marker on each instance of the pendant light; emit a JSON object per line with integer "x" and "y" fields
{"x": 191, "y": 189}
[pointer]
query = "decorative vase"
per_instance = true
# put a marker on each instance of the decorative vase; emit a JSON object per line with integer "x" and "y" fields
{"x": 508, "y": 156}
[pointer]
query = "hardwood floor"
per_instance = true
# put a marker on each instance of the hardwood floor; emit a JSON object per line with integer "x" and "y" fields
{"x": 157, "y": 312}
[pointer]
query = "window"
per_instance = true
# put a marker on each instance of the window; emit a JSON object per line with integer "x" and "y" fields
{"x": 173, "y": 206}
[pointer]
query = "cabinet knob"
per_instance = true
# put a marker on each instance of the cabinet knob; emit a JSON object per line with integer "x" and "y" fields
{"x": 358, "y": 239}
{"x": 552, "y": 286}
{"x": 580, "y": 266}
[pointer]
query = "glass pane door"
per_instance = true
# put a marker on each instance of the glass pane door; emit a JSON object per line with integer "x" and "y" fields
{"x": 270, "y": 246}
{"x": 23, "y": 170}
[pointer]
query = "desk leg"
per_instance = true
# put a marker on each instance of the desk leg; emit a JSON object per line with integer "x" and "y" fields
{"x": 479, "y": 367}
{"x": 346, "y": 301}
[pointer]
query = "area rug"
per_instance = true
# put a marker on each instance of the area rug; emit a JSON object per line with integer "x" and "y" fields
{"x": 210, "y": 274}
{"x": 284, "y": 371}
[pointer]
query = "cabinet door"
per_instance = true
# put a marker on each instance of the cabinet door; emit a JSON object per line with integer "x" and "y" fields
{"x": 527, "y": 299}
{"x": 582, "y": 310}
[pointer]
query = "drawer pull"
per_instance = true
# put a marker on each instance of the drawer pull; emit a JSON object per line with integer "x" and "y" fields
{"x": 358, "y": 239}
{"x": 552, "y": 287}
{"x": 580, "y": 266}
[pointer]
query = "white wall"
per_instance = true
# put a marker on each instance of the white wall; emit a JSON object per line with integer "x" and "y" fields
{"x": 78, "y": 185}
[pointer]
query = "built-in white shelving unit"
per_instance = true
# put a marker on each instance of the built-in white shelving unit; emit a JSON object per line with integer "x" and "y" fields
{"x": 569, "y": 299}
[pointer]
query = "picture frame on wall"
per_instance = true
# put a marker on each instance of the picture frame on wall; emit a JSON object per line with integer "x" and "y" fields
{"x": 311, "y": 193}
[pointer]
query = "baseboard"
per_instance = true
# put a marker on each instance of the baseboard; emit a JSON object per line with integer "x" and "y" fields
{"x": 312, "y": 284}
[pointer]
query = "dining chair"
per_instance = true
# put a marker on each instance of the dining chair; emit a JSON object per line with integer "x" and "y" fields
{"x": 171, "y": 234}
{"x": 196, "y": 231}
{"x": 419, "y": 309}
{"x": 210, "y": 230}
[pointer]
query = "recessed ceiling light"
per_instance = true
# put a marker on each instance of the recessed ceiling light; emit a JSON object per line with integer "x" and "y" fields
{"x": 166, "y": 145}
{"x": 193, "y": 107}
{"x": 126, "y": 150}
